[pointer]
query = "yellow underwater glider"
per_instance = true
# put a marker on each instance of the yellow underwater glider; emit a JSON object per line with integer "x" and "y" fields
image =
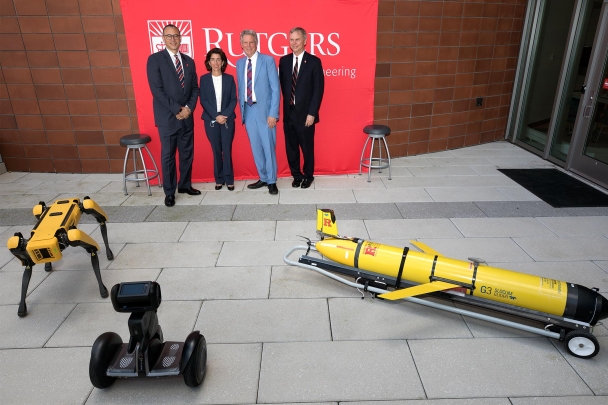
{"x": 568, "y": 311}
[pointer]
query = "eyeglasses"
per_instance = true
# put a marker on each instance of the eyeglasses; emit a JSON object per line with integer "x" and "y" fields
{"x": 176, "y": 36}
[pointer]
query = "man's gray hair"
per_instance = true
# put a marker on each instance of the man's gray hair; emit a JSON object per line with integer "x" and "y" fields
{"x": 301, "y": 30}
{"x": 249, "y": 32}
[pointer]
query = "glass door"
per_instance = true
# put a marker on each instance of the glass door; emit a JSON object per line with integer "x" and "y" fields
{"x": 589, "y": 156}
{"x": 559, "y": 108}
{"x": 548, "y": 47}
{"x": 575, "y": 74}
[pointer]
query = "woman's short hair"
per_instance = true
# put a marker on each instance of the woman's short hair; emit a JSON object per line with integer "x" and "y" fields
{"x": 216, "y": 51}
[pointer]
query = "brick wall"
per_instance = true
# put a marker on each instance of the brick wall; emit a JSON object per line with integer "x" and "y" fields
{"x": 434, "y": 58}
{"x": 65, "y": 88}
{"x": 66, "y": 96}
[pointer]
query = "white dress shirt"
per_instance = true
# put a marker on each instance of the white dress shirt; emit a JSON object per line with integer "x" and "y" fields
{"x": 179, "y": 56}
{"x": 217, "y": 84}
{"x": 254, "y": 60}
{"x": 293, "y": 64}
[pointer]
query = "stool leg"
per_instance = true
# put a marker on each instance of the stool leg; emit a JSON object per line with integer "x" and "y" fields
{"x": 362, "y": 153}
{"x": 124, "y": 172}
{"x": 371, "y": 154}
{"x": 389, "y": 158}
{"x": 143, "y": 163}
{"x": 380, "y": 151}
{"x": 160, "y": 184}
{"x": 135, "y": 167}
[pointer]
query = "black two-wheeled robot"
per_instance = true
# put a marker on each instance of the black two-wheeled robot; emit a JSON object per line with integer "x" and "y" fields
{"x": 146, "y": 355}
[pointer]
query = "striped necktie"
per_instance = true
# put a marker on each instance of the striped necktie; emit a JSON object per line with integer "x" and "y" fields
{"x": 180, "y": 71}
{"x": 249, "y": 91}
{"x": 294, "y": 79}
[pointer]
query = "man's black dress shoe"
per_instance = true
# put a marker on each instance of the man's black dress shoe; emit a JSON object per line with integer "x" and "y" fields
{"x": 218, "y": 186}
{"x": 189, "y": 191}
{"x": 272, "y": 188}
{"x": 170, "y": 200}
{"x": 296, "y": 183}
{"x": 306, "y": 183}
{"x": 257, "y": 184}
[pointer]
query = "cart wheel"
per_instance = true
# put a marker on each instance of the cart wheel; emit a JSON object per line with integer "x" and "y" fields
{"x": 581, "y": 344}
{"x": 195, "y": 369}
{"x": 102, "y": 353}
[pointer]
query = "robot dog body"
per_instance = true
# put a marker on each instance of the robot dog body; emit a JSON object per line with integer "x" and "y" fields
{"x": 55, "y": 231}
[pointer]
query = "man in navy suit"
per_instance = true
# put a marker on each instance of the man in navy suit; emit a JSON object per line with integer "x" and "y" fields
{"x": 174, "y": 85}
{"x": 302, "y": 85}
{"x": 259, "y": 96}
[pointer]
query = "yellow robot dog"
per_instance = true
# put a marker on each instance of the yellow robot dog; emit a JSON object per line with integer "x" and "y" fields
{"x": 55, "y": 231}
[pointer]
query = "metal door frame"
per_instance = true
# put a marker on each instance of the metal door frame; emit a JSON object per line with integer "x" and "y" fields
{"x": 529, "y": 30}
{"x": 530, "y": 44}
{"x": 576, "y": 161}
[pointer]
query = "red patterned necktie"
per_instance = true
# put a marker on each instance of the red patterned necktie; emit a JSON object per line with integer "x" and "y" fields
{"x": 180, "y": 71}
{"x": 294, "y": 79}
{"x": 249, "y": 91}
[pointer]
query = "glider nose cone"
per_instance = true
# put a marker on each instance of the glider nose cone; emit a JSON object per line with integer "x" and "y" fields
{"x": 602, "y": 307}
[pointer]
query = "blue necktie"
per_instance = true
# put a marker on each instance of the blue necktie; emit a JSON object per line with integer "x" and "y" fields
{"x": 249, "y": 91}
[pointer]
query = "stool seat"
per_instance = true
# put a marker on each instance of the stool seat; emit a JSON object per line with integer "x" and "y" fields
{"x": 377, "y": 130}
{"x": 137, "y": 142}
{"x": 376, "y": 133}
{"x": 135, "y": 139}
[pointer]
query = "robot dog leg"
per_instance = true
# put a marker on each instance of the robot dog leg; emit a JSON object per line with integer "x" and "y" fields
{"x": 16, "y": 245}
{"x": 76, "y": 237}
{"x": 90, "y": 207}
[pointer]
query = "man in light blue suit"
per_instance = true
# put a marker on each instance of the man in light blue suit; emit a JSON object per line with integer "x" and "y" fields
{"x": 259, "y": 94}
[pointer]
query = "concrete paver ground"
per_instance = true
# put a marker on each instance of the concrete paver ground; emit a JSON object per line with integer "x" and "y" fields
{"x": 282, "y": 334}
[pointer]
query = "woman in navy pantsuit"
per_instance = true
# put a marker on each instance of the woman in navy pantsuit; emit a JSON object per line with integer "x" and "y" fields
{"x": 218, "y": 98}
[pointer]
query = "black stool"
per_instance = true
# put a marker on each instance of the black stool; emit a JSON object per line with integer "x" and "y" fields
{"x": 376, "y": 132}
{"x": 133, "y": 142}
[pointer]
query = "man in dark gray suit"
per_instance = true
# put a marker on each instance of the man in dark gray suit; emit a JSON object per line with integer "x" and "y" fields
{"x": 302, "y": 85}
{"x": 174, "y": 85}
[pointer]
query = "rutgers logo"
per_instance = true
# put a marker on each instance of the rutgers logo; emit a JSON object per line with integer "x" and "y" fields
{"x": 370, "y": 250}
{"x": 155, "y": 32}
{"x": 327, "y": 222}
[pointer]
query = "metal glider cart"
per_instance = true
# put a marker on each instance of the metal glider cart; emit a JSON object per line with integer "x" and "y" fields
{"x": 560, "y": 310}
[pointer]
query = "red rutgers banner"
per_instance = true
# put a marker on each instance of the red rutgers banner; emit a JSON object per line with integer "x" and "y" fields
{"x": 341, "y": 33}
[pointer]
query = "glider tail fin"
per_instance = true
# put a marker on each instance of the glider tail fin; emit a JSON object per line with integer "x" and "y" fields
{"x": 326, "y": 222}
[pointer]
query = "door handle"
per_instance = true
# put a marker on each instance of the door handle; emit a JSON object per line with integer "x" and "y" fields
{"x": 587, "y": 112}
{"x": 588, "y": 107}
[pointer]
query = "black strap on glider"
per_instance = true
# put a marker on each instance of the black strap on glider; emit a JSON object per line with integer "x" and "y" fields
{"x": 432, "y": 277}
{"x": 356, "y": 258}
{"x": 403, "y": 256}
